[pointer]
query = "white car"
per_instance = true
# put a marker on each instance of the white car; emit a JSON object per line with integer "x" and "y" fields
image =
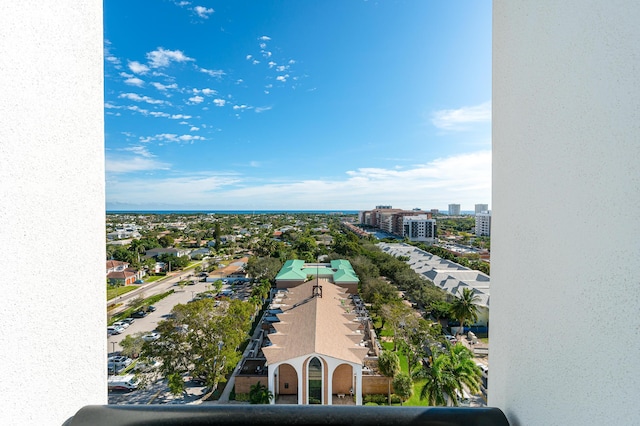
{"x": 145, "y": 366}
{"x": 150, "y": 337}
{"x": 122, "y": 324}
{"x": 113, "y": 329}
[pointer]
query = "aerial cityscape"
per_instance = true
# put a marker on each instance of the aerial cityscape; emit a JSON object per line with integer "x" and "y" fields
{"x": 210, "y": 308}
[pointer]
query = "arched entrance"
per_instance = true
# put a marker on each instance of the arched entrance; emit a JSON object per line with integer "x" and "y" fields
{"x": 315, "y": 381}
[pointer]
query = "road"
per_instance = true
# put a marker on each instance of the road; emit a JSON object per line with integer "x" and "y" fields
{"x": 150, "y": 289}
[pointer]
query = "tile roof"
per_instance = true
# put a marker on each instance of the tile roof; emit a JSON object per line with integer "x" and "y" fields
{"x": 322, "y": 325}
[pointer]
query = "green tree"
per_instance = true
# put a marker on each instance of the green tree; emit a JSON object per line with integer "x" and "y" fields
{"x": 465, "y": 371}
{"x": 389, "y": 365}
{"x": 397, "y": 316}
{"x": 260, "y": 394}
{"x": 132, "y": 345}
{"x": 403, "y": 386}
{"x": 450, "y": 373}
{"x": 263, "y": 267}
{"x": 201, "y": 339}
{"x": 166, "y": 241}
{"x": 464, "y": 308}
{"x": 441, "y": 385}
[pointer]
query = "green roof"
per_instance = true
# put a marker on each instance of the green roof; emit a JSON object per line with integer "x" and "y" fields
{"x": 340, "y": 270}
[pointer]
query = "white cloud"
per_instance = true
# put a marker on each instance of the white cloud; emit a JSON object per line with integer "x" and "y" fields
{"x": 263, "y": 45}
{"x": 237, "y": 107}
{"x": 271, "y": 64}
{"x": 202, "y": 11}
{"x": 292, "y": 61}
{"x": 462, "y": 118}
{"x": 108, "y": 56}
{"x": 255, "y": 62}
{"x": 282, "y": 78}
{"x": 161, "y": 58}
{"x": 125, "y": 75}
{"x": 159, "y": 114}
{"x": 194, "y": 129}
{"x": 138, "y": 98}
{"x": 463, "y": 179}
{"x": 134, "y": 81}
{"x": 109, "y": 105}
{"x": 142, "y": 161}
{"x": 264, "y": 38}
{"x": 282, "y": 68}
{"x": 208, "y": 92}
{"x": 171, "y": 137}
{"x": 180, "y": 117}
{"x": 266, "y": 54}
{"x": 163, "y": 87}
{"x": 136, "y": 108}
{"x": 261, "y": 109}
{"x": 191, "y": 187}
{"x": 196, "y": 99}
{"x": 183, "y": 3}
{"x": 249, "y": 57}
{"x": 138, "y": 68}
{"x": 139, "y": 150}
{"x": 213, "y": 73}
{"x": 219, "y": 102}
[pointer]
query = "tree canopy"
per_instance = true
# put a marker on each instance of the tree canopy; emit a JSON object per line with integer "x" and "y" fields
{"x": 201, "y": 340}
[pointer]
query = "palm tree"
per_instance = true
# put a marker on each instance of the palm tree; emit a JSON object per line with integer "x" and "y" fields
{"x": 450, "y": 374}
{"x": 441, "y": 384}
{"x": 464, "y": 308}
{"x": 389, "y": 366}
{"x": 260, "y": 394}
{"x": 464, "y": 368}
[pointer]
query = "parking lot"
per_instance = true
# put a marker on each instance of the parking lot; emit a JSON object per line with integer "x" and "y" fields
{"x": 154, "y": 388}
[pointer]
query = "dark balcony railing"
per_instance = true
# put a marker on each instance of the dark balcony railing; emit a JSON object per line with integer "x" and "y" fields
{"x": 274, "y": 415}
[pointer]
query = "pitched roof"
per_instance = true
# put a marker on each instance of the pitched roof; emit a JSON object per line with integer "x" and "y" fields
{"x": 322, "y": 325}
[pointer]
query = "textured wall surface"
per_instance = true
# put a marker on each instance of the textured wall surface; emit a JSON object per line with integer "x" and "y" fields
{"x": 565, "y": 330}
{"x": 51, "y": 210}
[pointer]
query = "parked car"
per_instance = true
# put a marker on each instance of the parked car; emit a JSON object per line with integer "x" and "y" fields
{"x": 118, "y": 363}
{"x": 139, "y": 314}
{"x": 128, "y": 320}
{"x": 121, "y": 324}
{"x": 114, "y": 329}
{"x": 138, "y": 282}
{"x": 150, "y": 337}
{"x": 147, "y": 365}
{"x": 151, "y": 308}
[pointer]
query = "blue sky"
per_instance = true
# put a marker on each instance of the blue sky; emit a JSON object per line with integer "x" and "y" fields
{"x": 294, "y": 104}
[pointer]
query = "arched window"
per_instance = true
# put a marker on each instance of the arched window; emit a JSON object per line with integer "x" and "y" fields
{"x": 315, "y": 381}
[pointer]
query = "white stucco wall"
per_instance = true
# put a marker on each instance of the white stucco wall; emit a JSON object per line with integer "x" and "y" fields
{"x": 52, "y": 210}
{"x": 565, "y": 329}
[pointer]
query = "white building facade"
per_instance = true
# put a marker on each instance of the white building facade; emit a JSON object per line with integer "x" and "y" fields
{"x": 419, "y": 228}
{"x": 483, "y": 224}
{"x": 482, "y": 208}
{"x": 454, "y": 209}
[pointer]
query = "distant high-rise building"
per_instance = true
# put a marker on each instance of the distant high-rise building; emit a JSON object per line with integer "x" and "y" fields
{"x": 383, "y": 207}
{"x": 435, "y": 211}
{"x": 482, "y": 208}
{"x": 454, "y": 209}
{"x": 483, "y": 224}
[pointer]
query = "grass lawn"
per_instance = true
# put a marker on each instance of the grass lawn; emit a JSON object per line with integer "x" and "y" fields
{"x": 113, "y": 292}
{"x": 152, "y": 278}
{"x": 415, "y": 398}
